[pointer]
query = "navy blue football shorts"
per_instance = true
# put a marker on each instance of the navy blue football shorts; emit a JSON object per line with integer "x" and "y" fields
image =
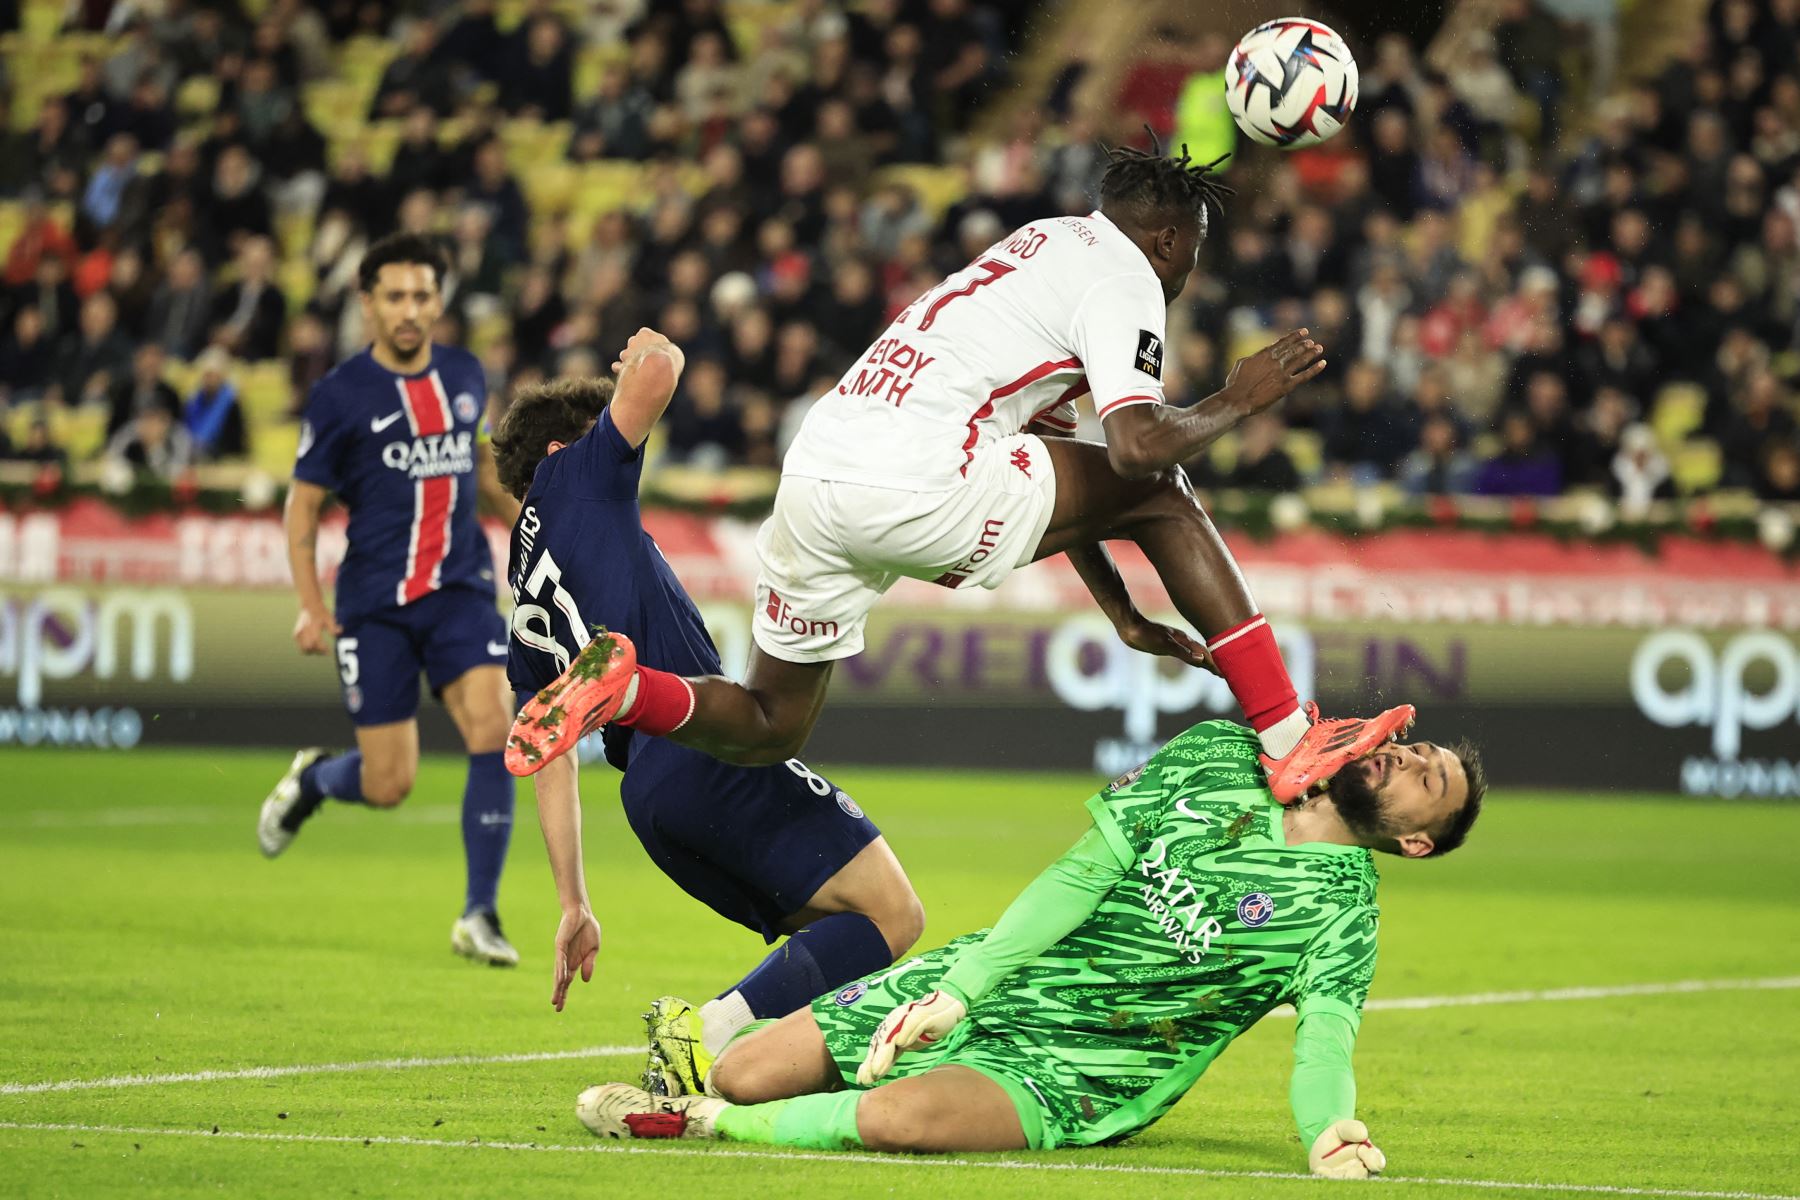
{"x": 445, "y": 634}
{"x": 753, "y": 844}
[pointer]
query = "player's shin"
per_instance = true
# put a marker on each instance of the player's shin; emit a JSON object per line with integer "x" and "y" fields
{"x": 487, "y": 818}
{"x": 1250, "y": 661}
{"x": 824, "y": 956}
{"x": 823, "y": 1121}
{"x": 338, "y": 777}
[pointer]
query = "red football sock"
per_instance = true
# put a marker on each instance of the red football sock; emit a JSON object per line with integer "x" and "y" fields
{"x": 1249, "y": 660}
{"x": 664, "y": 703}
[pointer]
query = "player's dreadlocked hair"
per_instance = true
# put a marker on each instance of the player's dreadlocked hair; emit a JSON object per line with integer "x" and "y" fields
{"x": 1146, "y": 186}
{"x": 558, "y": 411}
{"x": 1475, "y": 771}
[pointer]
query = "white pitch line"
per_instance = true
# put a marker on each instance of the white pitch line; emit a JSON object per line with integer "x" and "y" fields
{"x": 1005, "y": 1164}
{"x": 1398, "y": 1003}
{"x": 371, "y": 1064}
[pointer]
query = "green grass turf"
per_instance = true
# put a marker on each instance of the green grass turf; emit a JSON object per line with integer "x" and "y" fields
{"x": 143, "y": 934}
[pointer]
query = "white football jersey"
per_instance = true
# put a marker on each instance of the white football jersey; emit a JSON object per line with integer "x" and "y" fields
{"x": 1062, "y": 307}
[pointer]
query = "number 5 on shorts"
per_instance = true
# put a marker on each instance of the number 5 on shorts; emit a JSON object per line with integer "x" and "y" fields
{"x": 349, "y": 670}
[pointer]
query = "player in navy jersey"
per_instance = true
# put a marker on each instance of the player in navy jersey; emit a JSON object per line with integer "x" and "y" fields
{"x": 778, "y": 849}
{"x": 396, "y": 432}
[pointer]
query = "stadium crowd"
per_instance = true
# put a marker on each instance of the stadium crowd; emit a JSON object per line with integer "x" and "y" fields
{"x": 1517, "y": 298}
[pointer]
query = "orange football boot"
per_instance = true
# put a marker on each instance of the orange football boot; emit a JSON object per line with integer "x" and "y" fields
{"x": 1329, "y": 747}
{"x": 583, "y": 698}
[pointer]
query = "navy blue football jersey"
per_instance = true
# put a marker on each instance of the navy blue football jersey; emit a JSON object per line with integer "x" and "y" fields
{"x": 399, "y": 451}
{"x": 581, "y": 558}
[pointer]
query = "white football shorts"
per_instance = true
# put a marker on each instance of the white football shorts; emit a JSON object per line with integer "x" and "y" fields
{"x": 831, "y": 548}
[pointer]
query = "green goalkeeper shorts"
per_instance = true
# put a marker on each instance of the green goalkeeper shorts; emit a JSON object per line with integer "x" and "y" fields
{"x": 1051, "y": 1098}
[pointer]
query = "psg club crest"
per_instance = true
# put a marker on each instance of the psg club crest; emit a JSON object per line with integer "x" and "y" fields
{"x": 850, "y": 807}
{"x": 851, "y": 994}
{"x": 466, "y": 406}
{"x": 1255, "y": 910}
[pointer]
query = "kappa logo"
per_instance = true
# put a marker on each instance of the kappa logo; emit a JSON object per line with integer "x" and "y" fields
{"x": 377, "y": 424}
{"x": 1255, "y": 910}
{"x": 1021, "y": 458}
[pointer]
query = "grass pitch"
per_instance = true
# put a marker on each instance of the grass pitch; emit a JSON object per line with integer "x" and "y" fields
{"x": 144, "y": 937}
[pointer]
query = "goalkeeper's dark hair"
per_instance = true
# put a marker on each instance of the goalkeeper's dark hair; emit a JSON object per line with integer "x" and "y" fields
{"x": 1463, "y": 820}
{"x": 560, "y": 410}
{"x": 402, "y": 248}
{"x": 1149, "y": 188}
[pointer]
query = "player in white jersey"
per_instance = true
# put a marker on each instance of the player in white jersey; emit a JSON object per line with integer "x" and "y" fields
{"x": 945, "y": 454}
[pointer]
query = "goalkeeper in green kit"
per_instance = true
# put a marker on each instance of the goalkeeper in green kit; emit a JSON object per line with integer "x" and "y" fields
{"x": 1192, "y": 906}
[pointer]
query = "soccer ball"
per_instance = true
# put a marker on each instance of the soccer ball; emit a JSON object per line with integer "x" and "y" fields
{"x": 1290, "y": 83}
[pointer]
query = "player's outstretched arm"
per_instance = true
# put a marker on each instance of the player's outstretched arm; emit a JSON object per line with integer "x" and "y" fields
{"x": 559, "y": 816}
{"x": 648, "y": 370}
{"x": 301, "y": 518}
{"x": 1146, "y": 439}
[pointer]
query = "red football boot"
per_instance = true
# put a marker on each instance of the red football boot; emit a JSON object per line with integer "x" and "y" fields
{"x": 583, "y": 698}
{"x": 1329, "y": 747}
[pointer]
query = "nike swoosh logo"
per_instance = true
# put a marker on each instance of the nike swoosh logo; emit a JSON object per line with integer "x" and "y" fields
{"x": 497, "y": 648}
{"x": 380, "y": 423}
{"x": 1181, "y": 806}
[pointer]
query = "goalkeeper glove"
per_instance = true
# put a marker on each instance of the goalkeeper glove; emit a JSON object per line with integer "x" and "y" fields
{"x": 1344, "y": 1151}
{"x": 927, "y": 1019}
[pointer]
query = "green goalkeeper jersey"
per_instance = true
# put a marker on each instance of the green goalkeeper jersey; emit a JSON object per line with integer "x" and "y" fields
{"x": 1208, "y": 919}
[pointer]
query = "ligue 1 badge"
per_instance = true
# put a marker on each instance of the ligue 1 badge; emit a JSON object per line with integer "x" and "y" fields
{"x": 1255, "y": 910}
{"x": 850, "y": 994}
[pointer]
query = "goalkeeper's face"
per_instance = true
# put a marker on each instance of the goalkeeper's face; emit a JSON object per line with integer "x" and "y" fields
{"x": 1402, "y": 798}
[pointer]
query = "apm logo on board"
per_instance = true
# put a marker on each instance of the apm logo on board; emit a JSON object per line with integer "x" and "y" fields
{"x": 61, "y": 634}
{"x": 1751, "y": 683}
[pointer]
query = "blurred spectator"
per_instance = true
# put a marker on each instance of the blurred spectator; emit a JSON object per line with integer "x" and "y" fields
{"x": 1262, "y": 465}
{"x": 37, "y": 447}
{"x": 95, "y": 358}
{"x": 154, "y": 442}
{"x": 248, "y": 315}
{"x": 142, "y": 388}
{"x": 614, "y": 123}
{"x": 1779, "y": 476}
{"x": 310, "y": 356}
{"x": 26, "y": 359}
{"x": 1439, "y": 466}
{"x": 1367, "y": 434}
{"x": 538, "y": 82}
{"x": 105, "y": 194}
{"x": 1640, "y": 472}
{"x": 1523, "y": 467}
{"x": 211, "y": 416}
{"x": 495, "y": 189}
{"x": 40, "y": 236}
{"x": 703, "y": 429}
{"x": 417, "y": 75}
{"x": 236, "y": 208}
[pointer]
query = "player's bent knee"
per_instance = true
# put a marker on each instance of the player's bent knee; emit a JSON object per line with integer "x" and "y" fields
{"x": 387, "y": 791}
{"x": 746, "y": 1075}
{"x": 904, "y": 925}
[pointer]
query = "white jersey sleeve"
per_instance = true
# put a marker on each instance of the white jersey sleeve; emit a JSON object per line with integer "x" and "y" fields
{"x": 1118, "y": 331}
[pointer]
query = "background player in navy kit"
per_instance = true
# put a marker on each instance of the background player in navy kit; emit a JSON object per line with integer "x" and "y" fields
{"x": 396, "y": 433}
{"x": 778, "y": 848}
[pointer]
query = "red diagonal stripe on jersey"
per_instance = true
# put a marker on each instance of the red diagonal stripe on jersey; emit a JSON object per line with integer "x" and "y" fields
{"x": 1030, "y": 377}
{"x": 433, "y": 498}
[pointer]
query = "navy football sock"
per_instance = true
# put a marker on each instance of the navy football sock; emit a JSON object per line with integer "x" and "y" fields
{"x": 338, "y": 777}
{"x": 825, "y": 955}
{"x": 487, "y": 815}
